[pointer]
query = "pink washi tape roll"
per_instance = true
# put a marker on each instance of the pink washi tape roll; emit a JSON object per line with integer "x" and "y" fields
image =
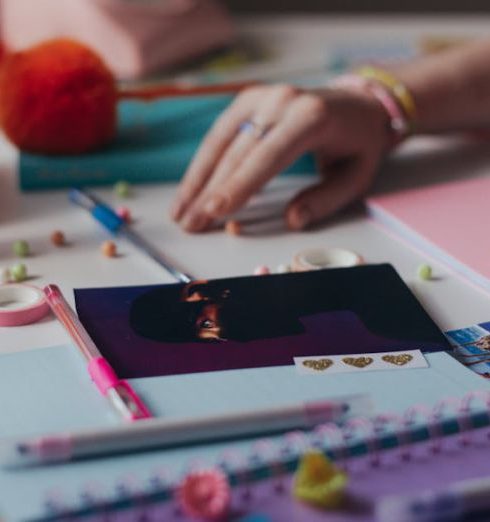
{"x": 318, "y": 258}
{"x": 21, "y": 304}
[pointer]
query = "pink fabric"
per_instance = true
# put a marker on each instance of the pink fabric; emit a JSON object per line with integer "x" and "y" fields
{"x": 135, "y": 38}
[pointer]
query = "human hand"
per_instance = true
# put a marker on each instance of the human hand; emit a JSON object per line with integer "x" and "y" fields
{"x": 347, "y": 129}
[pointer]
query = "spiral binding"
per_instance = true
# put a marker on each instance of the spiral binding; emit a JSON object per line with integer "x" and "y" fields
{"x": 275, "y": 459}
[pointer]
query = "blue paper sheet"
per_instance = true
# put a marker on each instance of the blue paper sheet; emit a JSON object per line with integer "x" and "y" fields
{"x": 48, "y": 390}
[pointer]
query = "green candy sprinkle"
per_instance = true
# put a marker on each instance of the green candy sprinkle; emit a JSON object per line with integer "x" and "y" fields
{"x": 425, "y": 272}
{"x": 122, "y": 189}
{"x": 21, "y": 248}
{"x": 18, "y": 272}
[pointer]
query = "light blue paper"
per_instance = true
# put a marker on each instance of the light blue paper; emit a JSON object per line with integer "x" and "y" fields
{"x": 48, "y": 390}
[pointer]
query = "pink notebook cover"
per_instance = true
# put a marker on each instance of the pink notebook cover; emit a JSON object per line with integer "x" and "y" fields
{"x": 447, "y": 221}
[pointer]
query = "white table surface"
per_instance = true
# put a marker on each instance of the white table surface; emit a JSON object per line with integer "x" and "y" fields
{"x": 451, "y": 301}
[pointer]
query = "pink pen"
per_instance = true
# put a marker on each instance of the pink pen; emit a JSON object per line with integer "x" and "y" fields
{"x": 119, "y": 392}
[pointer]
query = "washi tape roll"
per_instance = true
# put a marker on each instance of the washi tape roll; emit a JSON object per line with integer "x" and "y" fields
{"x": 21, "y": 304}
{"x": 318, "y": 258}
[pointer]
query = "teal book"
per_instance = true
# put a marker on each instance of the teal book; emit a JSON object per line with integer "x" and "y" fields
{"x": 155, "y": 142}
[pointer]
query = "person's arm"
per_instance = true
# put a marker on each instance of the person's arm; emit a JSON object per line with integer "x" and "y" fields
{"x": 347, "y": 129}
{"x": 451, "y": 89}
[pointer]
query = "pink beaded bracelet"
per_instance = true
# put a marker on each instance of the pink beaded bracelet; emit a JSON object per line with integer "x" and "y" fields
{"x": 399, "y": 124}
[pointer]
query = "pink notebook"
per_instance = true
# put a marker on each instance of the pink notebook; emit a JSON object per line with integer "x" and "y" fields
{"x": 447, "y": 221}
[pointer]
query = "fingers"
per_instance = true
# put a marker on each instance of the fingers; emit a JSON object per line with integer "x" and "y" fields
{"x": 343, "y": 186}
{"x": 219, "y": 137}
{"x": 268, "y": 115}
{"x": 291, "y": 136}
{"x": 214, "y": 198}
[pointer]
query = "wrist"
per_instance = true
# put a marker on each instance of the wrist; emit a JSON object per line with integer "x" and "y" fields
{"x": 389, "y": 94}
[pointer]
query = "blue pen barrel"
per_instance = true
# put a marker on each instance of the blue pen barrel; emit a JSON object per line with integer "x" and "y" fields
{"x": 108, "y": 218}
{"x": 112, "y": 222}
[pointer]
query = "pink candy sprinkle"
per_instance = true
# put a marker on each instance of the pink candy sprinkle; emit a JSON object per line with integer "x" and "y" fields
{"x": 205, "y": 494}
{"x": 124, "y": 213}
{"x": 262, "y": 270}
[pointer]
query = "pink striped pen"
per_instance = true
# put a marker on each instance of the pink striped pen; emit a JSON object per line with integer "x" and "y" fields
{"x": 118, "y": 392}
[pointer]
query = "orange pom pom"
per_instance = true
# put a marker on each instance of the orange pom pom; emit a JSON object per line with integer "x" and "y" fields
{"x": 57, "y": 98}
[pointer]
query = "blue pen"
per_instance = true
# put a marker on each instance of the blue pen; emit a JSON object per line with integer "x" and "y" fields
{"x": 106, "y": 216}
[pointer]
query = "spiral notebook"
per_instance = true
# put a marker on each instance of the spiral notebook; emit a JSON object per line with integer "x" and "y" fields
{"x": 383, "y": 457}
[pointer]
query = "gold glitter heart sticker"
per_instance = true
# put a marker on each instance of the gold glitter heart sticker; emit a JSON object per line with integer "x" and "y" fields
{"x": 400, "y": 359}
{"x": 358, "y": 362}
{"x": 318, "y": 364}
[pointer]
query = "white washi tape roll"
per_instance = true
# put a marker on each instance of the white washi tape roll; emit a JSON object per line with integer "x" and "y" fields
{"x": 21, "y": 304}
{"x": 318, "y": 258}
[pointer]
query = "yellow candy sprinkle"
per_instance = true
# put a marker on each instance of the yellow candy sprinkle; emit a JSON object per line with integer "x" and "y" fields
{"x": 424, "y": 272}
{"x": 317, "y": 481}
{"x": 122, "y": 189}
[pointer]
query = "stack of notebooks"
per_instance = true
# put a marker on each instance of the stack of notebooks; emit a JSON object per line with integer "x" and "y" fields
{"x": 344, "y": 315}
{"x": 444, "y": 220}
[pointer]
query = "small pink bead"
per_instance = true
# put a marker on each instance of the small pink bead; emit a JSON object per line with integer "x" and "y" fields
{"x": 124, "y": 213}
{"x": 262, "y": 270}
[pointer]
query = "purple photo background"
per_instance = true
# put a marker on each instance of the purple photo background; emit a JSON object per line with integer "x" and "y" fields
{"x": 105, "y": 313}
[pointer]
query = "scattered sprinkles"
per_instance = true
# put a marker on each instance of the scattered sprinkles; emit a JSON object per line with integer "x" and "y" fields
{"x": 424, "y": 272}
{"x": 124, "y": 213}
{"x": 233, "y": 227}
{"x": 21, "y": 248}
{"x": 18, "y": 272}
{"x": 109, "y": 248}
{"x": 122, "y": 189}
{"x": 58, "y": 238}
{"x": 205, "y": 494}
{"x": 317, "y": 481}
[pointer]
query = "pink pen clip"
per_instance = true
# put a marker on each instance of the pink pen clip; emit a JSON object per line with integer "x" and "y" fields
{"x": 119, "y": 392}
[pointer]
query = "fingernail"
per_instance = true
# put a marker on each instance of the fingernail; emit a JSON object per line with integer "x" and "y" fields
{"x": 299, "y": 217}
{"x": 175, "y": 211}
{"x": 195, "y": 222}
{"x": 215, "y": 205}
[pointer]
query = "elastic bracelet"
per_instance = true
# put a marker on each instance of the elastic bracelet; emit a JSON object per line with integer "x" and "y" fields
{"x": 399, "y": 124}
{"x": 391, "y": 82}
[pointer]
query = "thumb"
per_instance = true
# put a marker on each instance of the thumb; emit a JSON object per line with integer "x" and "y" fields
{"x": 340, "y": 187}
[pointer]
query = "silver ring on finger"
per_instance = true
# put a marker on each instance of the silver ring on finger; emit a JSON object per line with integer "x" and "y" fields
{"x": 258, "y": 130}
